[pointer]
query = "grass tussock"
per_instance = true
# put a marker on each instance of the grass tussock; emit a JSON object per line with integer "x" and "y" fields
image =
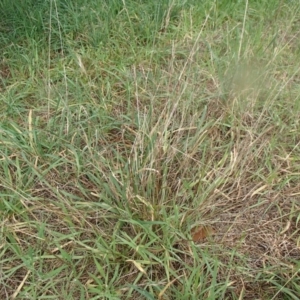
{"x": 149, "y": 150}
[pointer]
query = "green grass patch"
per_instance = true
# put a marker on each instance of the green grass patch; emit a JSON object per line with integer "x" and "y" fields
{"x": 149, "y": 150}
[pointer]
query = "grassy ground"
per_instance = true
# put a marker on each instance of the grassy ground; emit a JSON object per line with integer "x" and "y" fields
{"x": 149, "y": 149}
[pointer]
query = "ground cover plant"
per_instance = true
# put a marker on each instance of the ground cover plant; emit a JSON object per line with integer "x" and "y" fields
{"x": 149, "y": 149}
